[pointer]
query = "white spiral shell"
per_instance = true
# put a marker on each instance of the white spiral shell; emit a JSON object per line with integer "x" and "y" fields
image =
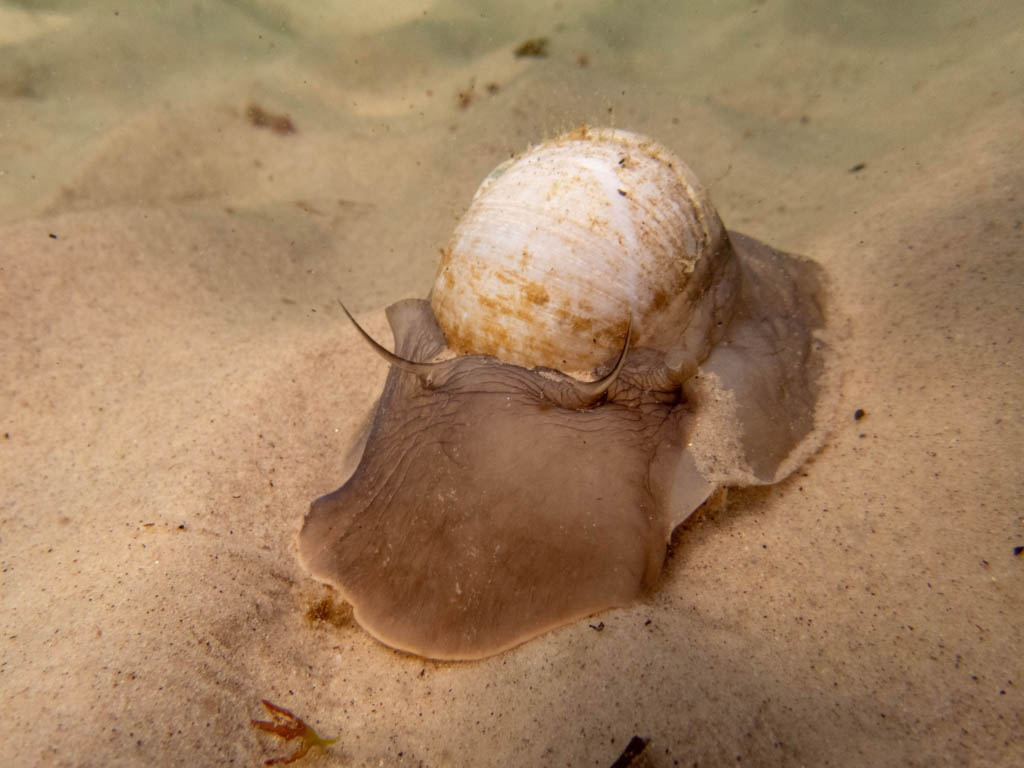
{"x": 561, "y": 245}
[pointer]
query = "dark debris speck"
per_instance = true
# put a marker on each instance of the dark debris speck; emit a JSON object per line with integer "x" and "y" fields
{"x": 536, "y": 47}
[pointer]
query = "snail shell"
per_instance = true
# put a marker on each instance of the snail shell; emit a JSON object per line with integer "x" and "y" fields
{"x": 562, "y": 245}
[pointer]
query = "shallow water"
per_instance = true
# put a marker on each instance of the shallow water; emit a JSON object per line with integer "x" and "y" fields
{"x": 186, "y": 189}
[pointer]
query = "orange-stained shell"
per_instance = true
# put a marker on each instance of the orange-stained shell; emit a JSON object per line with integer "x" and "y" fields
{"x": 561, "y": 245}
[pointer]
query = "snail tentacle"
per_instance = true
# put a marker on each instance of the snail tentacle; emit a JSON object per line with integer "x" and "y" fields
{"x": 590, "y": 391}
{"x": 425, "y": 371}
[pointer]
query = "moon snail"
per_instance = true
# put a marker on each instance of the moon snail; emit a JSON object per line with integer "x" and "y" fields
{"x": 598, "y": 354}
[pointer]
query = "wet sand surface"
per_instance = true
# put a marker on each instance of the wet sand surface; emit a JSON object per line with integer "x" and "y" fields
{"x": 184, "y": 194}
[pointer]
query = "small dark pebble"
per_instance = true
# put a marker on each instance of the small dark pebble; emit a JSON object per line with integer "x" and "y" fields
{"x": 53, "y": 236}
{"x": 859, "y": 414}
{"x": 599, "y": 627}
{"x": 1016, "y": 550}
{"x": 634, "y": 750}
{"x": 858, "y": 167}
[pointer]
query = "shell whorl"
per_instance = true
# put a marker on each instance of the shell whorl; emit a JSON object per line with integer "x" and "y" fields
{"x": 563, "y": 243}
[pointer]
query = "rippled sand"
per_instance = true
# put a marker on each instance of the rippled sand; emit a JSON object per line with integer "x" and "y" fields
{"x": 185, "y": 192}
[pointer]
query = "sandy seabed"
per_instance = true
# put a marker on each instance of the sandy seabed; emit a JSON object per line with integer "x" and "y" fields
{"x": 178, "y": 382}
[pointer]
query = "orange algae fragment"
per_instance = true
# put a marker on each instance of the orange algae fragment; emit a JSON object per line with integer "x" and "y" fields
{"x": 288, "y": 727}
